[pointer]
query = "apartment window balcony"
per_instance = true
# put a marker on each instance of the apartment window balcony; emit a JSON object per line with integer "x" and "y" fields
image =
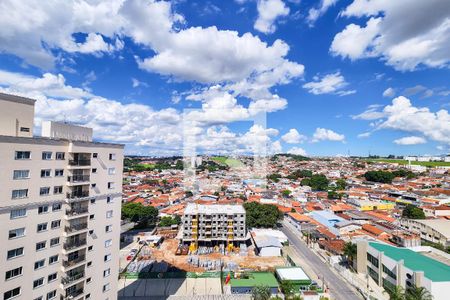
{"x": 77, "y": 211}
{"x": 79, "y": 162}
{"x": 73, "y": 277}
{"x": 75, "y": 261}
{"x": 76, "y": 227}
{"x": 73, "y": 294}
{"x": 74, "y": 244}
{"x": 78, "y": 178}
{"x": 74, "y": 195}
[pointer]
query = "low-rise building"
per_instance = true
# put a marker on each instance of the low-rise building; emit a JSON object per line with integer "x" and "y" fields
{"x": 296, "y": 276}
{"x": 391, "y": 266}
{"x": 431, "y": 230}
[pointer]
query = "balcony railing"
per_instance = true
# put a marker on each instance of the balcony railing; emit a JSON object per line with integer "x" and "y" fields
{"x": 73, "y": 294}
{"x": 78, "y": 178}
{"x": 76, "y": 227}
{"x": 75, "y": 195}
{"x": 72, "y": 262}
{"x": 72, "y": 278}
{"x": 74, "y": 244}
{"x": 77, "y": 211}
{"x": 80, "y": 162}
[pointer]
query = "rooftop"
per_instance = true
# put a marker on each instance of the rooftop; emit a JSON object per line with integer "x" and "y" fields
{"x": 433, "y": 269}
{"x": 440, "y": 225}
{"x": 192, "y": 209}
{"x": 292, "y": 273}
{"x": 255, "y": 279}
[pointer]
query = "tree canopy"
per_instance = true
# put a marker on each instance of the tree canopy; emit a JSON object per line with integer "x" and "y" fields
{"x": 379, "y": 176}
{"x": 136, "y": 212}
{"x": 262, "y": 215}
{"x": 169, "y": 221}
{"x": 317, "y": 182}
{"x": 413, "y": 212}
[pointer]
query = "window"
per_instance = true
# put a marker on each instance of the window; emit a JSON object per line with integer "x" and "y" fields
{"x": 15, "y": 252}
{"x": 109, "y": 214}
{"x": 92, "y": 201}
{"x": 93, "y": 185}
{"x": 112, "y": 156}
{"x": 94, "y": 155}
{"x": 91, "y": 217}
{"x": 94, "y": 170}
{"x": 372, "y": 259}
{"x": 43, "y": 209}
{"x": 111, "y": 171}
{"x": 88, "y": 296}
{"x": 21, "y": 174}
{"x": 46, "y": 155}
{"x": 39, "y": 264}
{"x": 18, "y": 213}
{"x": 51, "y": 295}
{"x": 57, "y": 190}
{"x": 22, "y": 155}
{"x": 46, "y": 173}
{"x": 88, "y": 280}
{"x": 52, "y": 277}
{"x": 56, "y": 224}
{"x": 108, "y": 228}
{"x": 40, "y": 245}
{"x": 41, "y": 227}
{"x": 59, "y": 172}
{"x": 17, "y": 194}
{"x": 11, "y": 293}
{"x": 56, "y": 206}
{"x": 13, "y": 273}
{"x": 16, "y": 233}
{"x": 52, "y": 259}
{"x": 107, "y": 272}
{"x": 59, "y": 155}
{"x": 38, "y": 282}
{"x": 89, "y": 263}
{"x": 54, "y": 242}
{"x": 24, "y": 129}
{"x": 106, "y": 287}
{"x": 110, "y": 185}
{"x": 44, "y": 191}
{"x": 108, "y": 243}
{"x": 90, "y": 248}
{"x": 107, "y": 257}
{"x": 108, "y": 199}
{"x": 389, "y": 272}
{"x": 91, "y": 232}
{"x": 38, "y": 298}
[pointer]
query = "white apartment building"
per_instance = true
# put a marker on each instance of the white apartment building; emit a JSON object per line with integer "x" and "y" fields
{"x": 60, "y": 204}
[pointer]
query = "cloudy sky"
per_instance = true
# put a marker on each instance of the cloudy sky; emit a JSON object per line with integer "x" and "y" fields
{"x": 325, "y": 77}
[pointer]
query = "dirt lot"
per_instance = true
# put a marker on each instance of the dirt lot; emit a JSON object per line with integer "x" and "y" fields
{"x": 166, "y": 252}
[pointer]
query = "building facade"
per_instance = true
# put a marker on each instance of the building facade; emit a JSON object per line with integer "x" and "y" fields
{"x": 391, "y": 266}
{"x": 60, "y": 204}
{"x": 430, "y": 230}
{"x": 214, "y": 224}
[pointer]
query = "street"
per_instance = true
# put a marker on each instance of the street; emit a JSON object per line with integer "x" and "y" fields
{"x": 339, "y": 289}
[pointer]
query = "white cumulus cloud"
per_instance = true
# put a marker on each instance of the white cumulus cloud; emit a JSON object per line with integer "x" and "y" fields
{"x": 389, "y": 92}
{"x": 410, "y": 140}
{"x": 293, "y": 137}
{"x": 322, "y": 134}
{"x": 297, "y": 151}
{"x": 268, "y": 12}
{"x": 333, "y": 83}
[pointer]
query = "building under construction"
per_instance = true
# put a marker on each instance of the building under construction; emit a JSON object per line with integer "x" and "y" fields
{"x": 213, "y": 225}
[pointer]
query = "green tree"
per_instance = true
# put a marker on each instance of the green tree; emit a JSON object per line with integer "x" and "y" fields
{"x": 261, "y": 292}
{"x": 274, "y": 177}
{"x": 417, "y": 293}
{"x": 379, "y": 176}
{"x": 317, "y": 182}
{"x": 287, "y": 288}
{"x": 350, "y": 251}
{"x": 396, "y": 293}
{"x": 169, "y": 221}
{"x": 262, "y": 215}
{"x": 413, "y": 212}
{"x": 286, "y": 193}
{"x": 188, "y": 194}
{"x": 341, "y": 184}
{"x": 136, "y": 212}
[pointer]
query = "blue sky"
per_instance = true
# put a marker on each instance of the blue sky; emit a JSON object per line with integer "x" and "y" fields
{"x": 332, "y": 77}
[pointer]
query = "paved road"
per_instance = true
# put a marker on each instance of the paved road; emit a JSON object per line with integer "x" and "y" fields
{"x": 339, "y": 289}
